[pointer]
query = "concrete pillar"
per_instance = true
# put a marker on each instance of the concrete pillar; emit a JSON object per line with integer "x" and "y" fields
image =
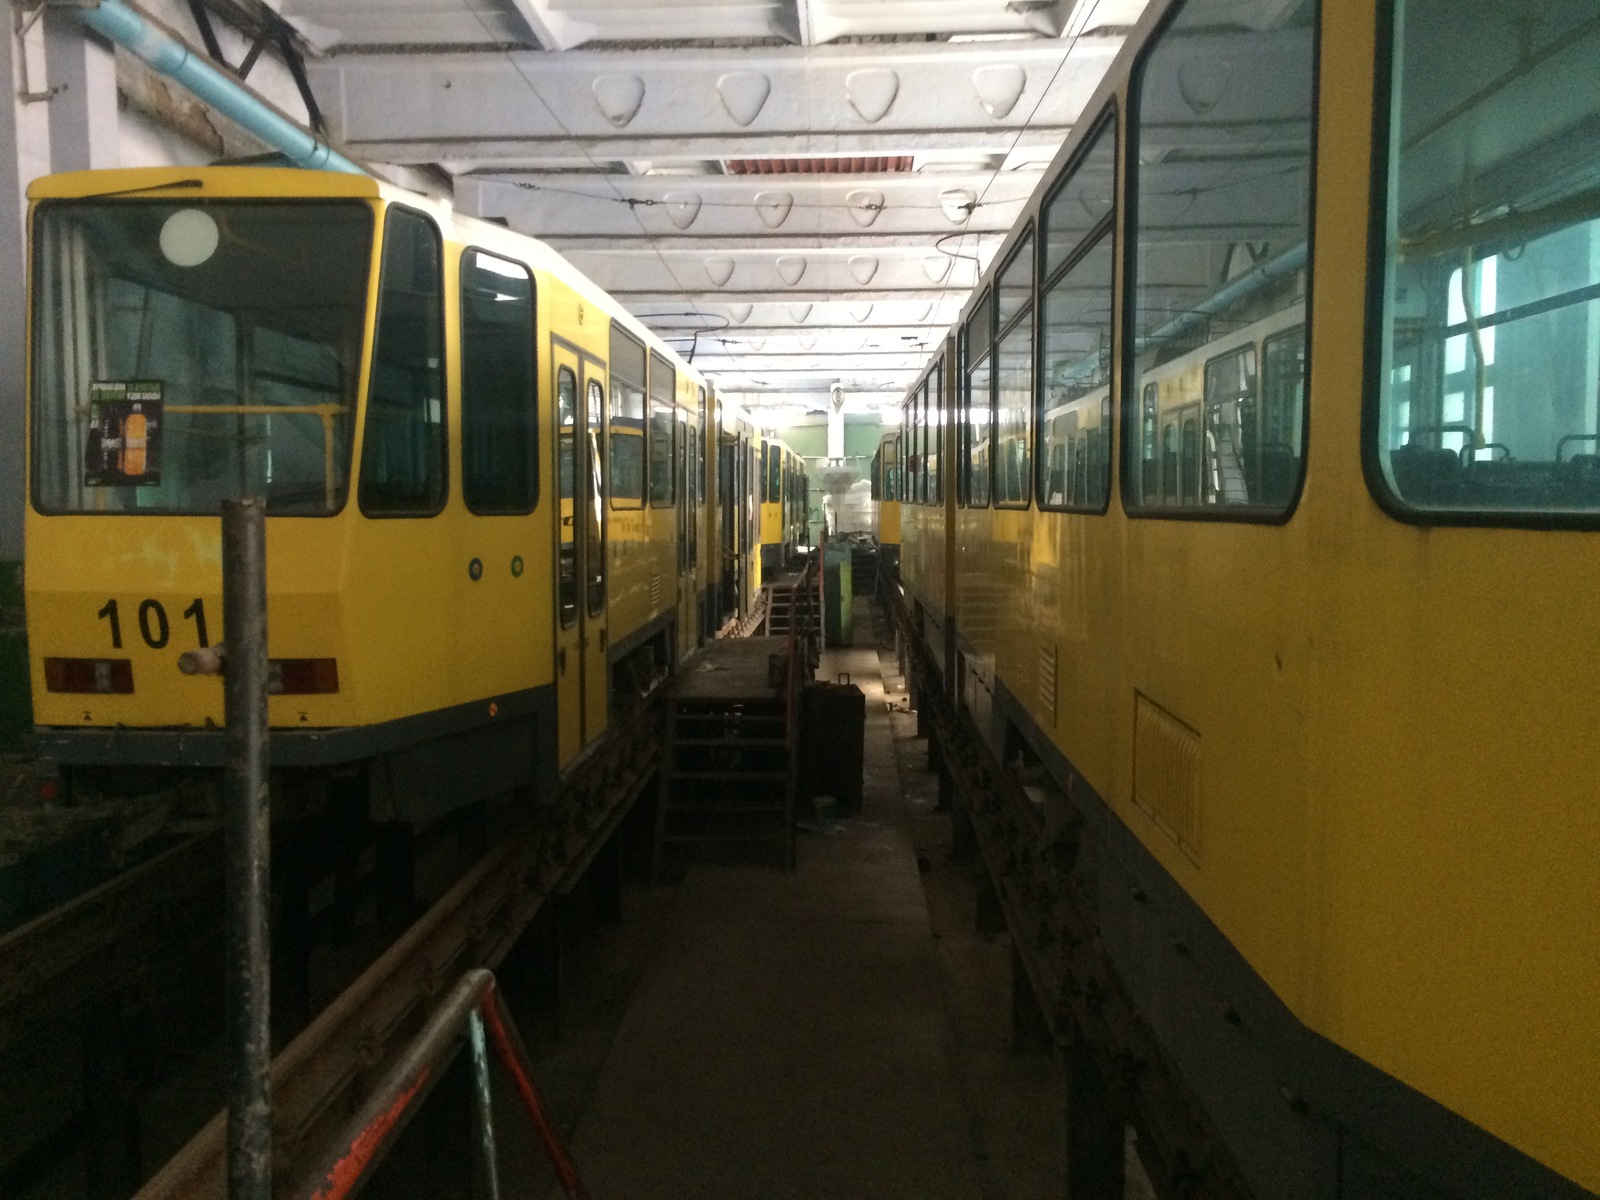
{"x": 23, "y": 154}
{"x": 1030, "y": 1032}
{"x": 82, "y": 72}
{"x": 1095, "y": 1135}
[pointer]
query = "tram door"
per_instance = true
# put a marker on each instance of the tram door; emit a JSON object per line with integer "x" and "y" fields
{"x": 688, "y": 514}
{"x": 581, "y": 675}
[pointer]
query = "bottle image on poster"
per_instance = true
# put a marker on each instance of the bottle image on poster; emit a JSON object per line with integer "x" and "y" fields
{"x": 123, "y": 446}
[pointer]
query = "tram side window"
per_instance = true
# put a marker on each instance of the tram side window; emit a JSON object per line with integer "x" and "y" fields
{"x": 936, "y": 421}
{"x": 1488, "y": 393}
{"x": 499, "y": 442}
{"x": 567, "y": 473}
{"x": 978, "y": 402}
{"x": 1014, "y": 367}
{"x": 403, "y": 452}
{"x": 1075, "y": 330}
{"x": 919, "y": 439}
{"x": 663, "y": 432}
{"x": 1219, "y": 261}
{"x": 595, "y": 520}
{"x": 774, "y": 473}
{"x": 626, "y": 428}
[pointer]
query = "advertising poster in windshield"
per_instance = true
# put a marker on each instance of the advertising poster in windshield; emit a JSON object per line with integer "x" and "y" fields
{"x": 123, "y": 448}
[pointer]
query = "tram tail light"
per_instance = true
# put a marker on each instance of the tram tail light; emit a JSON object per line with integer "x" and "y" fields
{"x": 302, "y": 676}
{"x": 94, "y": 676}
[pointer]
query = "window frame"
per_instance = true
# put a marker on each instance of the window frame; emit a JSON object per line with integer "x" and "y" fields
{"x": 1132, "y": 386}
{"x": 983, "y": 354}
{"x": 642, "y": 500}
{"x": 381, "y": 236}
{"x": 1104, "y": 230}
{"x": 1385, "y": 133}
{"x": 567, "y": 534}
{"x": 532, "y": 425}
{"x": 669, "y": 397}
{"x": 1027, "y": 246}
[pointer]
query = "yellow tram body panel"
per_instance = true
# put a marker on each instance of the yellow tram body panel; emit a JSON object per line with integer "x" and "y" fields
{"x": 1392, "y": 726}
{"x": 419, "y": 613}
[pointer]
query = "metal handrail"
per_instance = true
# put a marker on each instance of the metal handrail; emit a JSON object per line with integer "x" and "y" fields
{"x": 475, "y": 1010}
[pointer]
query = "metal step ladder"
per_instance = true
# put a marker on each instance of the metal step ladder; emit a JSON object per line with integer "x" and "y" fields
{"x": 729, "y": 776}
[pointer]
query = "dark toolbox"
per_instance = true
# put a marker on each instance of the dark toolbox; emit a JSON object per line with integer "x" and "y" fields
{"x": 833, "y": 721}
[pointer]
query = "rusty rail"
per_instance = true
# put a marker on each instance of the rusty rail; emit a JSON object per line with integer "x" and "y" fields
{"x": 332, "y": 1065}
{"x": 472, "y": 1010}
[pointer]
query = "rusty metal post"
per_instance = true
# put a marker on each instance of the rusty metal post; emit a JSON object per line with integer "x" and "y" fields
{"x": 247, "y": 831}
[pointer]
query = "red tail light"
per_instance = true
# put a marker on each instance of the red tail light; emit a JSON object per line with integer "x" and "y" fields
{"x": 98, "y": 676}
{"x": 302, "y": 676}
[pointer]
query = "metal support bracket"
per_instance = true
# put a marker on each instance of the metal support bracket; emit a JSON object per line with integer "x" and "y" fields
{"x": 25, "y": 15}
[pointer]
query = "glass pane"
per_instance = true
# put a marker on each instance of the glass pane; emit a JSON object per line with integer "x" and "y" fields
{"x": 925, "y": 442}
{"x": 980, "y": 383}
{"x": 1013, "y": 404}
{"x": 403, "y": 448}
{"x": 1233, "y": 449}
{"x": 1146, "y": 467}
{"x": 1222, "y": 211}
{"x": 980, "y": 327}
{"x": 1075, "y": 397}
{"x": 167, "y": 382}
{"x": 566, "y": 469}
{"x": 1084, "y": 200}
{"x": 1490, "y": 389}
{"x": 594, "y": 508}
{"x": 627, "y": 420}
{"x": 663, "y": 430}
{"x": 930, "y": 394}
{"x": 1016, "y": 282}
{"x": 499, "y": 446}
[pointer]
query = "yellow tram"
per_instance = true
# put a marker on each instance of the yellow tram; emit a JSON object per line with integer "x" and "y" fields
{"x": 886, "y": 498}
{"x": 495, "y": 500}
{"x": 783, "y": 505}
{"x": 1253, "y": 504}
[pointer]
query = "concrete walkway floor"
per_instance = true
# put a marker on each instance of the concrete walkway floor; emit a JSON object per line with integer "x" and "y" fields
{"x": 790, "y": 1037}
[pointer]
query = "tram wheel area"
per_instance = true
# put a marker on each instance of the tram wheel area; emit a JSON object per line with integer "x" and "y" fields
{"x": 1066, "y": 995}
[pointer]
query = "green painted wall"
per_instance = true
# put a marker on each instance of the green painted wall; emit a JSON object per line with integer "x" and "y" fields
{"x": 861, "y": 436}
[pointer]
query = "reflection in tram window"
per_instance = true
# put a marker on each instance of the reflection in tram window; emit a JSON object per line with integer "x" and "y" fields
{"x": 1489, "y": 394}
{"x": 1221, "y": 210}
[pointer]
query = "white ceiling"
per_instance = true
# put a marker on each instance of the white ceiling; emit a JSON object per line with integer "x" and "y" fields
{"x": 799, "y": 194}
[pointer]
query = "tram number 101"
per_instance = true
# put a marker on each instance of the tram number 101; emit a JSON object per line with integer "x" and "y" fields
{"x": 153, "y": 624}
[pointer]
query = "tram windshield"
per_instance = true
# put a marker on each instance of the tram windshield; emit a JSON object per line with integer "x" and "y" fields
{"x": 184, "y": 353}
{"x": 1489, "y": 397}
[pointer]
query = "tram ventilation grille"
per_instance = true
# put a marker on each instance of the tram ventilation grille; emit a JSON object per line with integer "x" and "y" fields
{"x": 1166, "y": 773}
{"x": 655, "y": 590}
{"x": 1047, "y": 682}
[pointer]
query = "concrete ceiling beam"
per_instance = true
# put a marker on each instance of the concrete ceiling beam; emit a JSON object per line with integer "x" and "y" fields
{"x": 760, "y": 102}
{"x": 846, "y": 210}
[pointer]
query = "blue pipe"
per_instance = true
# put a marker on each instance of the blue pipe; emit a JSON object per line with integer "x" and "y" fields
{"x": 114, "y": 20}
{"x": 1252, "y": 281}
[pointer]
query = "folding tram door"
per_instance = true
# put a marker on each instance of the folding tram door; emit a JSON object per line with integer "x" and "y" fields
{"x": 582, "y": 675}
